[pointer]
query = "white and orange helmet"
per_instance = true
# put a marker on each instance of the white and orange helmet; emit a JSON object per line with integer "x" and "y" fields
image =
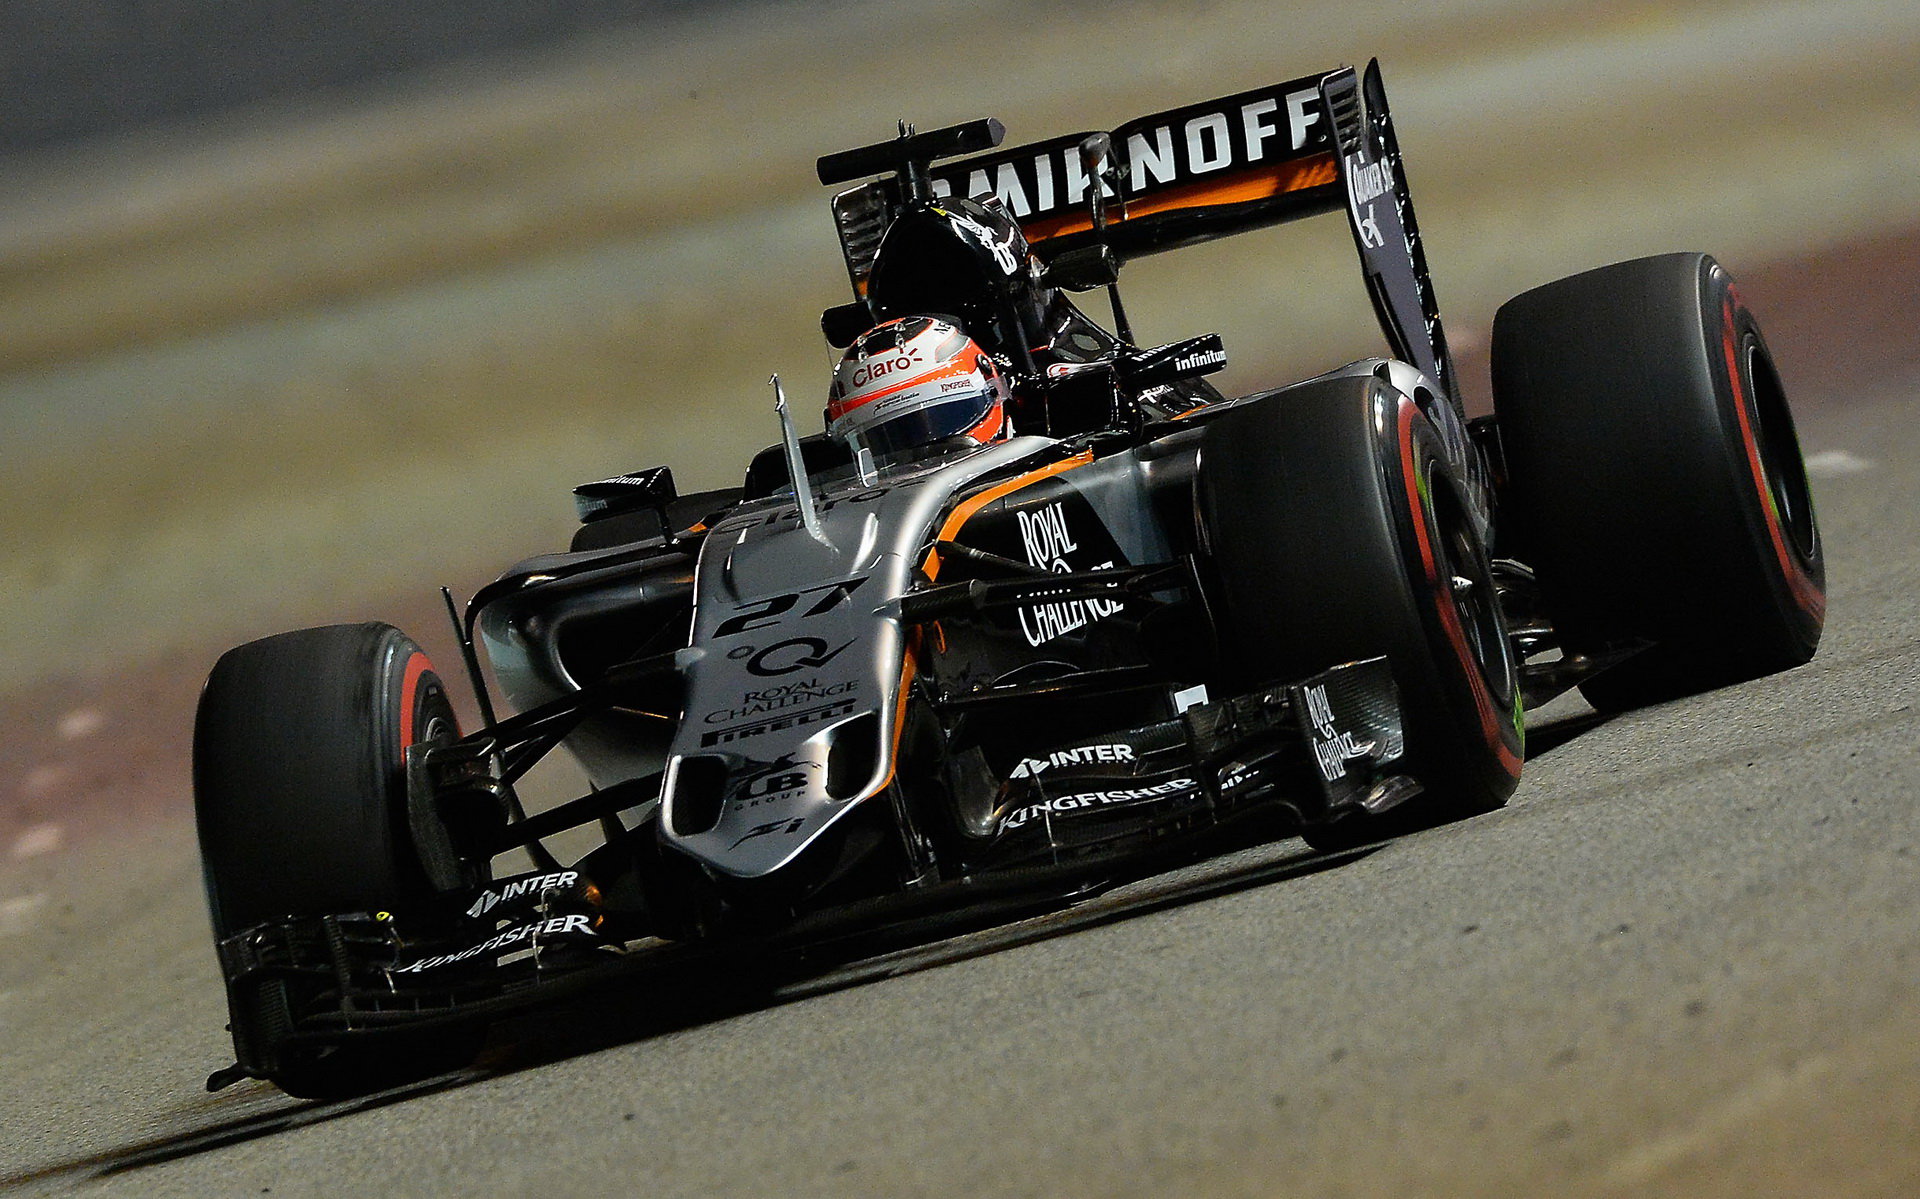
{"x": 912, "y": 382}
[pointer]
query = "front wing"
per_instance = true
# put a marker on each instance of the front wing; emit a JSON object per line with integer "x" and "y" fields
{"x": 1091, "y": 814}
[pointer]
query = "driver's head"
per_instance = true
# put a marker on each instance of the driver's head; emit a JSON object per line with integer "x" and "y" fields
{"x": 915, "y": 381}
{"x": 964, "y": 257}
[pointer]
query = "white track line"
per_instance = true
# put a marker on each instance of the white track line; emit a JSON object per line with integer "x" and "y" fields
{"x": 38, "y": 839}
{"x": 42, "y": 781}
{"x": 82, "y": 722}
{"x": 16, "y": 915}
{"x": 1637, "y": 1168}
{"x": 1831, "y": 464}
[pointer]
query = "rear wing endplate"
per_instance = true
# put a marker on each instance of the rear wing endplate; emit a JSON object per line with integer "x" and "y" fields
{"x": 1313, "y": 145}
{"x": 1380, "y": 212}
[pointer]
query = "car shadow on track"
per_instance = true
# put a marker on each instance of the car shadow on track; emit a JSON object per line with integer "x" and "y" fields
{"x": 611, "y": 1019}
{"x": 284, "y": 1118}
{"x": 635, "y": 1009}
{"x": 1547, "y": 736}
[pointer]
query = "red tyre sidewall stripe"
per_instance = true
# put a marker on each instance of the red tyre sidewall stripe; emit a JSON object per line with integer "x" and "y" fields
{"x": 1491, "y": 721}
{"x": 1806, "y": 593}
{"x": 417, "y": 666}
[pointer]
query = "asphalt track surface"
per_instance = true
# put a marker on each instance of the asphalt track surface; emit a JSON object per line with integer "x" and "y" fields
{"x": 1682, "y": 962}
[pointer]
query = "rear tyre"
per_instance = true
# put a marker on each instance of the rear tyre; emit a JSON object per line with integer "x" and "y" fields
{"x": 1338, "y": 531}
{"x": 1655, "y": 481}
{"x": 300, "y": 798}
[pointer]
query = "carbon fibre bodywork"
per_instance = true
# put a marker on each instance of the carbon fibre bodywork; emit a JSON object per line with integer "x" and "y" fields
{"x": 802, "y": 660}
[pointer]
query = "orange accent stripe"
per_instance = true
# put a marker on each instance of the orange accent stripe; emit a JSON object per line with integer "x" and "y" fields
{"x": 908, "y": 668}
{"x": 972, "y": 504}
{"x": 1240, "y": 188}
{"x": 417, "y": 665}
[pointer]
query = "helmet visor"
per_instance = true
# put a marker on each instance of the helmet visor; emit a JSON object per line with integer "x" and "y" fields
{"x": 907, "y": 420}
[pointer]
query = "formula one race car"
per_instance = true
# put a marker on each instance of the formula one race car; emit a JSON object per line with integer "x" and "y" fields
{"x": 1040, "y": 612}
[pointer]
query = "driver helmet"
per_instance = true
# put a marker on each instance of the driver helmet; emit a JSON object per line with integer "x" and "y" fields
{"x": 915, "y": 381}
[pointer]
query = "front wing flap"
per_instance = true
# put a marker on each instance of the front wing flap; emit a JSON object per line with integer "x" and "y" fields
{"x": 1315, "y": 749}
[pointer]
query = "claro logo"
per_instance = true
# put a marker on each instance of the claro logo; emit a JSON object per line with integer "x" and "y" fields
{"x": 880, "y": 368}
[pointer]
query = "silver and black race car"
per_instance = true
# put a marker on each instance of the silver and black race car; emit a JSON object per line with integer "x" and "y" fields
{"x": 885, "y": 693}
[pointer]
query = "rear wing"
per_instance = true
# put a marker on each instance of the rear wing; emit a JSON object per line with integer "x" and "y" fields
{"x": 1313, "y": 145}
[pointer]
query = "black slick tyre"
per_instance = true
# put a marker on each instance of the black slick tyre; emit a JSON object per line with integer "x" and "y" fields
{"x": 300, "y": 801}
{"x": 1655, "y": 481}
{"x": 1338, "y": 531}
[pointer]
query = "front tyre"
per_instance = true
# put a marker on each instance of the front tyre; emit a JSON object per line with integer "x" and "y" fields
{"x": 300, "y": 799}
{"x": 1654, "y": 478}
{"x": 1338, "y": 531}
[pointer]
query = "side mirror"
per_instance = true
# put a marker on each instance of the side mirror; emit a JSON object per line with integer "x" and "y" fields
{"x": 650, "y": 488}
{"x": 1087, "y": 399}
{"x": 1083, "y": 269}
{"x": 844, "y": 322}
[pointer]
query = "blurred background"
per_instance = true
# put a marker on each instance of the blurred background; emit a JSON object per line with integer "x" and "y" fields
{"x": 307, "y": 309}
{"x": 304, "y": 312}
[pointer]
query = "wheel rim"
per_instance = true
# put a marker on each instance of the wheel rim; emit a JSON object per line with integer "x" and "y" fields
{"x": 1467, "y": 584}
{"x": 1780, "y": 460}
